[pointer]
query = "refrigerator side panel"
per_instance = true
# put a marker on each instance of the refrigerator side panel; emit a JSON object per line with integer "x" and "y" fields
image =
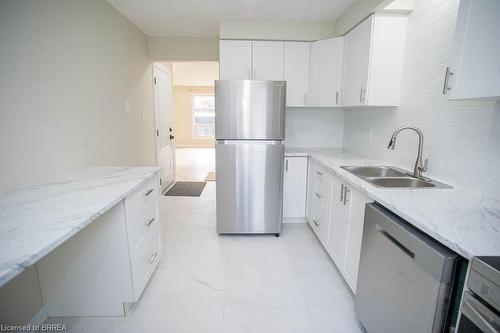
{"x": 249, "y": 186}
{"x": 250, "y": 110}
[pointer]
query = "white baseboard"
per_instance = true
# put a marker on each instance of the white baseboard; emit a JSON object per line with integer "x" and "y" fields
{"x": 294, "y": 220}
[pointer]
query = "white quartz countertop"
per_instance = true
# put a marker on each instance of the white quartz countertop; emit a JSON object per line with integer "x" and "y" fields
{"x": 305, "y": 151}
{"x": 35, "y": 220}
{"x": 464, "y": 221}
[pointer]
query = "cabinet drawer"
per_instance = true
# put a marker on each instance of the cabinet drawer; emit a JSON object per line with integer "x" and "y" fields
{"x": 321, "y": 175}
{"x": 320, "y": 221}
{"x": 321, "y": 193}
{"x": 139, "y": 227}
{"x": 137, "y": 202}
{"x": 145, "y": 259}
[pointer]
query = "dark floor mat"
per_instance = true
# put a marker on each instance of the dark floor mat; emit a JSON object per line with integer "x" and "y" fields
{"x": 186, "y": 189}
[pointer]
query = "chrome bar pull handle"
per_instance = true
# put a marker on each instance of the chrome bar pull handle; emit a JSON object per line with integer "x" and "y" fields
{"x": 346, "y": 190}
{"x": 286, "y": 165}
{"x": 150, "y": 222}
{"x": 148, "y": 192}
{"x": 316, "y": 223}
{"x": 317, "y": 195}
{"x": 446, "y": 84}
{"x": 341, "y": 192}
{"x": 153, "y": 258}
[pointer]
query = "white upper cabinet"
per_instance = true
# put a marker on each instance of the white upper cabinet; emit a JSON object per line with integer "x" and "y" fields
{"x": 326, "y": 72}
{"x": 235, "y": 59}
{"x": 267, "y": 60}
{"x": 296, "y": 73}
{"x": 373, "y": 66}
{"x": 251, "y": 60}
{"x": 475, "y": 64}
{"x": 356, "y": 64}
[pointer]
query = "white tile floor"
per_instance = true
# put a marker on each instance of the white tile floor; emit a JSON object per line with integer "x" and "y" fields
{"x": 208, "y": 283}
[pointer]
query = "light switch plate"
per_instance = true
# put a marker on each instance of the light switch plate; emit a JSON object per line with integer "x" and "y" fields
{"x": 127, "y": 106}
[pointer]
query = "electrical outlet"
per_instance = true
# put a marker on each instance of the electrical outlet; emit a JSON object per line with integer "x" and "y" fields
{"x": 127, "y": 106}
{"x": 144, "y": 115}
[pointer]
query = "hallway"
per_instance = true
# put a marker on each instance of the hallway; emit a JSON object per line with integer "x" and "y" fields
{"x": 193, "y": 164}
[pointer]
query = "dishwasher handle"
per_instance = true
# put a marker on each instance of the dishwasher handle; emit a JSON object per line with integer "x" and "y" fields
{"x": 395, "y": 241}
{"x": 434, "y": 258}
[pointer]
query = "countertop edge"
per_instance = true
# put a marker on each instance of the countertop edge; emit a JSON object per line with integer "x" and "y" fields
{"x": 18, "y": 267}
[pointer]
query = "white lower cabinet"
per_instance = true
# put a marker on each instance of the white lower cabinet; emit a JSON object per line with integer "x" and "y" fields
{"x": 335, "y": 211}
{"x": 106, "y": 265}
{"x": 318, "y": 200}
{"x": 294, "y": 188}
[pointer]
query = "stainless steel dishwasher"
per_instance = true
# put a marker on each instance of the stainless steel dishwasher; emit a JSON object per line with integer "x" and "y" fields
{"x": 405, "y": 277}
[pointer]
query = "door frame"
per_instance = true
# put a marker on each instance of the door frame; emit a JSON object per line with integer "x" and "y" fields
{"x": 156, "y": 68}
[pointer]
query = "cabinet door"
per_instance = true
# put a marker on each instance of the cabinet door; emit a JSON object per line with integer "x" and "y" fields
{"x": 357, "y": 203}
{"x": 476, "y": 51}
{"x": 296, "y": 72}
{"x": 235, "y": 59}
{"x": 267, "y": 60}
{"x": 356, "y": 63}
{"x": 326, "y": 71}
{"x": 339, "y": 220}
{"x": 294, "y": 187}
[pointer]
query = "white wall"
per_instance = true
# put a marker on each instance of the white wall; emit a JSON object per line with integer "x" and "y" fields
{"x": 269, "y": 29}
{"x": 195, "y": 74}
{"x": 355, "y": 13}
{"x": 462, "y": 138}
{"x": 67, "y": 67}
{"x": 314, "y": 127}
{"x": 183, "y": 48}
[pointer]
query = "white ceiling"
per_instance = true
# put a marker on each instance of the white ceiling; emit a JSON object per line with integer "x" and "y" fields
{"x": 198, "y": 74}
{"x": 201, "y": 17}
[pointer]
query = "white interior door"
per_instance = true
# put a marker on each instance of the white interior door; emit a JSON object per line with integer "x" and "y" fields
{"x": 165, "y": 148}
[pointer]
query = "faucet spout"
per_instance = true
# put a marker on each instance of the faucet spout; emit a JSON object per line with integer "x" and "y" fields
{"x": 420, "y": 165}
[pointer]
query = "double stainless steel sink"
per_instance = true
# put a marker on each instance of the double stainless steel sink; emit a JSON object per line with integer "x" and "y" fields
{"x": 392, "y": 177}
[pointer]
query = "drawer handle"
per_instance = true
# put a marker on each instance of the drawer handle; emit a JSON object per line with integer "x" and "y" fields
{"x": 148, "y": 192}
{"x": 316, "y": 223}
{"x": 319, "y": 173}
{"x": 150, "y": 222}
{"x": 153, "y": 257}
{"x": 317, "y": 195}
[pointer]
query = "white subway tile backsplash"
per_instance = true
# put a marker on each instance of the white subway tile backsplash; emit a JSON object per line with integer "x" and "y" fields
{"x": 462, "y": 138}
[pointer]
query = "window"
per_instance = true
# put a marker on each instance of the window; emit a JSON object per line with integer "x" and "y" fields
{"x": 204, "y": 116}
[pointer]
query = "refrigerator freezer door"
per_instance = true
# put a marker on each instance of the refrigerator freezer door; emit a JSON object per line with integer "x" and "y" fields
{"x": 249, "y": 186}
{"x": 250, "y": 110}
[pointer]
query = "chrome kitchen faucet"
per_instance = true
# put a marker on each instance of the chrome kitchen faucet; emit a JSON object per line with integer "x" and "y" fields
{"x": 420, "y": 165}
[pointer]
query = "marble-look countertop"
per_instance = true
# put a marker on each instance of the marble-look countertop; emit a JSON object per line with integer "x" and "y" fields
{"x": 305, "y": 151}
{"x": 35, "y": 220}
{"x": 465, "y": 221}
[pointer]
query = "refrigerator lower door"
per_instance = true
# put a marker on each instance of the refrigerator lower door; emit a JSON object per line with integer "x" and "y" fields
{"x": 249, "y": 186}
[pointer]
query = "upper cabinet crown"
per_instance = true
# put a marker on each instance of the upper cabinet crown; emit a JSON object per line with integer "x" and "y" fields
{"x": 251, "y": 60}
{"x": 474, "y": 71}
{"x": 373, "y": 61}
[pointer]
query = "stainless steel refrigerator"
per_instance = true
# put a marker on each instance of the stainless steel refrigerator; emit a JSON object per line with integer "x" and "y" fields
{"x": 250, "y": 133}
